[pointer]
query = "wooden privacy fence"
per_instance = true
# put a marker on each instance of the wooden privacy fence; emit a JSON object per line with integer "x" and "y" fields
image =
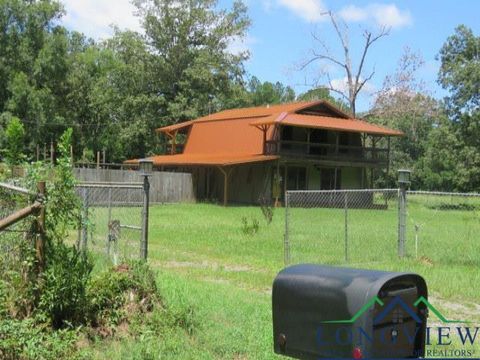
{"x": 165, "y": 187}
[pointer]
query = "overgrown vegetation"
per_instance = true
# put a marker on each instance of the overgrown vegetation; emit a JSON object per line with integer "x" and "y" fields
{"x": 45, "y": 311}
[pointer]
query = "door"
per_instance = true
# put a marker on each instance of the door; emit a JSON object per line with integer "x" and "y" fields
{"x": 330, "y": 178}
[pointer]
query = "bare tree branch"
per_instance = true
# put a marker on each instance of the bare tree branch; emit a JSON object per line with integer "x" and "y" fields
{"x": 354, "y": 79}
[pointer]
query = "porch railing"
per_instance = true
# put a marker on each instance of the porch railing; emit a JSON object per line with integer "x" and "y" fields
{"x": 327, "y": 151}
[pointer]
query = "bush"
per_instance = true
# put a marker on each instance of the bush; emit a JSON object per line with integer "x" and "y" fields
{"x": 24, "y": 339}
{"x": 449, "y": 206}
{"x": 119, "y": 293}
{"x": 63, "y": 296}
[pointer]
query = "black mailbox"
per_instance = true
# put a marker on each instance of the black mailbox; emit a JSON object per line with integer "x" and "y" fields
{"x": 335, "y": 312}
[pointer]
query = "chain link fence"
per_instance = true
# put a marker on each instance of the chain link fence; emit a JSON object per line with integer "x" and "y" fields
{"x": 20, "y": 227}
{"x": 443, "y": 227}
{"x": 341, "y": 226}
{"x": 113, "y": 219}
{"x": 364, "y": 226}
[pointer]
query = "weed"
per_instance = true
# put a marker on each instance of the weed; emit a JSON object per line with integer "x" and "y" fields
{"x": 250, "y": 228}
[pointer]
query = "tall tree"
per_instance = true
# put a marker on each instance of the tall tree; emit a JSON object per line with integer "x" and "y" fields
{"x": 269, "y": 93}
{"x": 14, "y": 141}
{"x": 355, "y": 75}
{"x": 322, "y": 93}
{"x": 460, "y": 75}
{"x": 193, "y": 63}
{"x": 404, "y": 103}
{"x": 33, "y": 65}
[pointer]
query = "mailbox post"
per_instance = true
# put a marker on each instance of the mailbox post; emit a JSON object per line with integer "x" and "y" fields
{"x": 335, "y": 312}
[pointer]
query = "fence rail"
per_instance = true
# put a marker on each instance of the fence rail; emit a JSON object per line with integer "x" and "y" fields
{"x": 17, "y": 206}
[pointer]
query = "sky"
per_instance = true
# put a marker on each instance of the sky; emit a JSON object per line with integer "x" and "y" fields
{"x": 280, "y": 37}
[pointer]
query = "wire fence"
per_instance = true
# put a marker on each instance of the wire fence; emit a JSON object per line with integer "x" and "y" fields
{"x": 113, "y": 219}
{"x": 21, "y": 226}
{"x": 364, "y": 226}
{"x": 340, "y": 226}
{"x": 444, "y": 227}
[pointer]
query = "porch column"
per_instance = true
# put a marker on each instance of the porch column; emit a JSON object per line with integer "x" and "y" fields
{"x": 226, "y": 174}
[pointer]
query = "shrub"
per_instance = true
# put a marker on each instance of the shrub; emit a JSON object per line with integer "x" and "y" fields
{"x": 63, "y": 287}
{"x": 24, "y": 339}
{"x": 121, "y": 291}
{"x": 250, "y": 228}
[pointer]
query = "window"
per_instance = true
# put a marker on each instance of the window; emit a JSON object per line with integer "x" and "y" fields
{"x": 297, "y": 178}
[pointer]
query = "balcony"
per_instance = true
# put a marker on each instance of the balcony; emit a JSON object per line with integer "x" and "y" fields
{"x": 328, "y": 152}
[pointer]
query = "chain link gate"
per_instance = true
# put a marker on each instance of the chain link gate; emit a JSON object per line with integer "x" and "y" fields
{"x": 112, "y": 219}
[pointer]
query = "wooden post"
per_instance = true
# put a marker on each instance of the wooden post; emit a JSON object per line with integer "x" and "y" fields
{"x": 388, "y": 154}
{"x": 71, "y": 154}
{"x": 337, "y": 142}
{"x": 40, "y": 239}
{"x": 207, "y": 175}
{"x": 264, "y": 129}
{"x": 226, "y": 173}
{"x": 335, "y": 181}
{"x": 174, "y": 143}
{"x": 308, "y": 140}
{"x": 104, "y": 156}
{"x": 98, "y": 159}
{"x": 277, "y": 185}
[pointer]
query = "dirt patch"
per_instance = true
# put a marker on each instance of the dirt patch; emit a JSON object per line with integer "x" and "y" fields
{"x": 466, "y": 311}
{"x": 206, "y": 265}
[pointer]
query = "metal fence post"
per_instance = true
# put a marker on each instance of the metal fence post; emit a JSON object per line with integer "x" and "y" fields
{"x": 109, "y": 222}
{"x": 83, "y": 243}
{"x": 145, "y": 214}
{"x": 402, "y": 218}
{"x": 286, "y": 245}
{"x": 346, "y": 227}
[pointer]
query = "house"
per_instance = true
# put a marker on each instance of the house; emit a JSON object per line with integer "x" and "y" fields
{"x": 243, "y": 155}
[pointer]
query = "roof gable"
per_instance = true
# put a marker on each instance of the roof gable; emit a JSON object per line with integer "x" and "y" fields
{"x": 324, "y": 109}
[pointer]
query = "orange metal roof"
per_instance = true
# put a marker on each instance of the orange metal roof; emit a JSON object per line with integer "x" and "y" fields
{"x": 251, "y": 113}
{"x": 331, "y": 123}
{"x": 232, "y": 137}
{"x": 207, "y": 159}
{"x": 174, "y": 127}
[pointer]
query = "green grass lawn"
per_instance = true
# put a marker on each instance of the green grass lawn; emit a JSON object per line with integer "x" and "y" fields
{"x": 206, "y": 261}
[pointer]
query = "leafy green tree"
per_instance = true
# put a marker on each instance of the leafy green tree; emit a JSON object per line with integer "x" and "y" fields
{"x": 460, "y": 75}
{"x": 403, "y": 103}
{"x": 14, "y": 141}
{"x": 193, "y": 64}
{"x": 323, "y": 93}
{"x": 269, "y": 93}
{"x": 33, "y": 66}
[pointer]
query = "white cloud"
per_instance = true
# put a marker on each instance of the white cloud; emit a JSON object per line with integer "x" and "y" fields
{"x": 238, "y": 45}
{"x": 353, "y": 13}
{"x": 309, "y": 10}
{"x": 341, "y": 84}
{"x": 95, "y": 17}
{"x": 382, "y": 14}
